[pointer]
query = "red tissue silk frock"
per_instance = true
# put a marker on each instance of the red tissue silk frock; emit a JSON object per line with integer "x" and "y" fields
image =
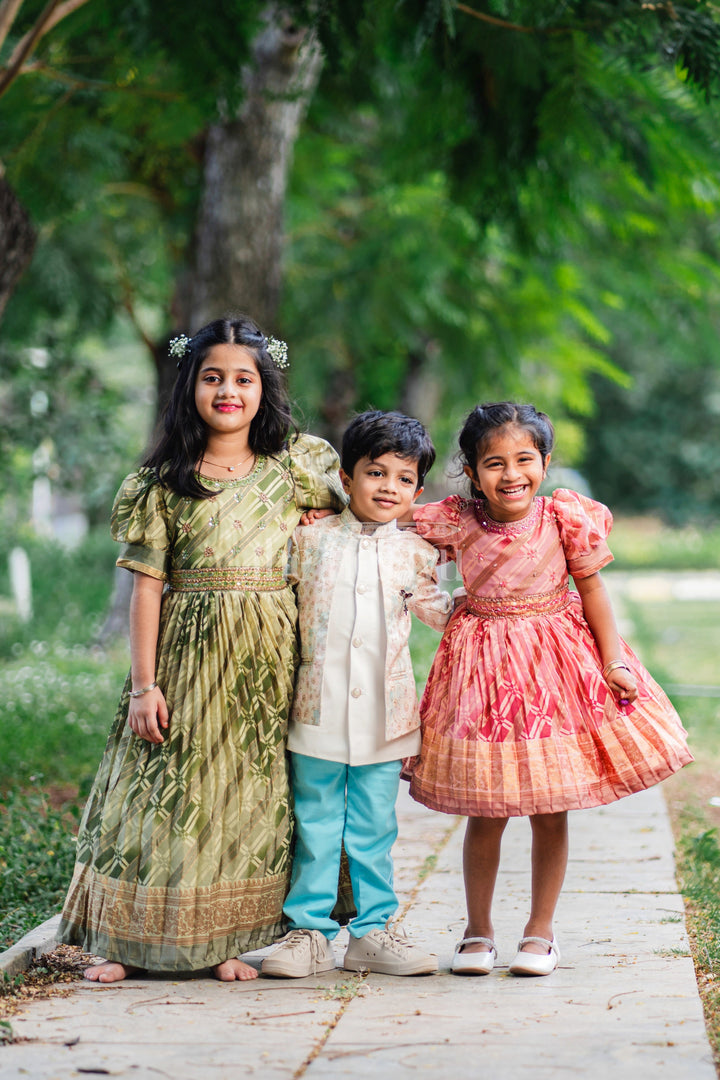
{"x": 516, "y": 716}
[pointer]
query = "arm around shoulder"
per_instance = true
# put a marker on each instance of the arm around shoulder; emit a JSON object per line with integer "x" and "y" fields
{"x": 431, "y": 604}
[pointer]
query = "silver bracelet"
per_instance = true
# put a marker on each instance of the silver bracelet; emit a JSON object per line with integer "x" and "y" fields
{"x": 145, "y": 690}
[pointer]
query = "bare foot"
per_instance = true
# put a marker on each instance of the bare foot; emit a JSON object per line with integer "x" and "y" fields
{"x": 109, "y": 972}
{"x": 233, "y": 969}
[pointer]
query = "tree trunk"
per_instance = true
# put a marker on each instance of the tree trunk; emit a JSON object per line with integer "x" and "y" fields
{"x": 239, "y": 236}
{"x": 237, "y": 265}
{"x": 17, "y": 241}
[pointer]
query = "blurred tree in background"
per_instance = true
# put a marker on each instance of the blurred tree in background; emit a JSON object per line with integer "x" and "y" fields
{"x": 489, "y": 199}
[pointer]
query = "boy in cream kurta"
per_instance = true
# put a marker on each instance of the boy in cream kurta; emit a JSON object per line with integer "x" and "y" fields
{"x": 355, "y": 711}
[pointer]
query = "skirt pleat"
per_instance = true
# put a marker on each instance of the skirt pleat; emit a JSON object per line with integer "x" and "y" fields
{"x": 517, "y": 719}
{"x": 184, "y": 849}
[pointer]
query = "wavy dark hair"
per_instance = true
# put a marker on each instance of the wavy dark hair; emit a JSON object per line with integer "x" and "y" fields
{"x": 184, "y": 437}
{"x": 486, "y": 420}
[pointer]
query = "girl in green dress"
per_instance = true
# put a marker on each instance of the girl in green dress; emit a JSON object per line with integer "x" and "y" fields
{"x": 184, "y": 848}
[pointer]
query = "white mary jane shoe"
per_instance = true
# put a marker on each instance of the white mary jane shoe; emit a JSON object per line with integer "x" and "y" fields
{"x": 474, "y": 963}
{"x": 526, "y": 963}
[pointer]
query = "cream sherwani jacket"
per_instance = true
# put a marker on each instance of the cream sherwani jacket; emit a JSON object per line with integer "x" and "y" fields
{"x": 399, "y": 569}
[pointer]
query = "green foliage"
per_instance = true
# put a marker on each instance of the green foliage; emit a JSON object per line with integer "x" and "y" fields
{"x": 37, "y": 854}
{"x": 71, "y": 591}
{"x": 59, "y": 694}
{"x": 70, "y": 696}
{"x": 477, "y": 210}
{"x": 648, "y": 544}
{"x": 67, "y": 415}
{"x": 53, "y": 678}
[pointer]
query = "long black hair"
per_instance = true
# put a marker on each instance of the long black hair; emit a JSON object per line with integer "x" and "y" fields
{"x": 184, "y": 437}
{"x": 486, "y": 420}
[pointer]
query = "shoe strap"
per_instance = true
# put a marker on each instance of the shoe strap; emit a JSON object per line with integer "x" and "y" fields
{"x": 477, "y": 941}
{"x": 551, "y": 946}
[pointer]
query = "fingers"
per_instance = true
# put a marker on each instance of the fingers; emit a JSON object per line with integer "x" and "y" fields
{"x": 623, "y": 686}
{"x": 147, "y": 715}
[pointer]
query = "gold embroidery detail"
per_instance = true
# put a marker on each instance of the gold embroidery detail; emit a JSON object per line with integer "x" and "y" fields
{"x": 243, "y": 578}
{"x": 520, "y": 607}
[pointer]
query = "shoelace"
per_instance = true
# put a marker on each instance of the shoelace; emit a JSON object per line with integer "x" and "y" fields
{"x": 302, "y": 939}
{"x": 395, "y": 940}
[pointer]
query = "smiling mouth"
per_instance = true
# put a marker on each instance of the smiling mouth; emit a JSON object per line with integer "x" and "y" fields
{"x": 513, "y": 491}
{"x": 227, "y": 407}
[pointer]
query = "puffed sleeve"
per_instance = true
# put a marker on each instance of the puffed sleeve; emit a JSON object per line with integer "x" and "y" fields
{"x": 314, "y": 468}
{"x": 441, "y": 524}
{"x": 139, "y": 521}
{"x": 584, "y": 528}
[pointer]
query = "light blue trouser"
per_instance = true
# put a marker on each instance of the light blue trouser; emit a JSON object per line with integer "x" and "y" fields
{"x": 335, "y": 804}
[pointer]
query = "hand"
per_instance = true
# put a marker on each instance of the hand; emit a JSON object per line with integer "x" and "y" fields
{"x": 459, "y": 597}
{"x": 312, "y": 515}
{"x": 147, "y": 714}
{"x": 623, "y": 685}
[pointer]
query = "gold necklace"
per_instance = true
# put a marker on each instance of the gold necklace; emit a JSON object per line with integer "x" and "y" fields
{"x": 230, "y": 468}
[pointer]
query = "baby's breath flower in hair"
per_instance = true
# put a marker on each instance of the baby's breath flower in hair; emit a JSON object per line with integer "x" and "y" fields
{"x": 278, "y": 351}
{"x": 178, "y": 347}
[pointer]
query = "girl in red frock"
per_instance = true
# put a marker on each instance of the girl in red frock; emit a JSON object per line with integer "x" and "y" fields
{"x": 534, "y": 705}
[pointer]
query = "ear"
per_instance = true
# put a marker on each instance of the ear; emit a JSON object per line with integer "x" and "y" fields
{"x": 471, "y": 474}
{"x": 417, "y": 493}
{"x": 346, "y": 481}
{"x": 545, "y": 465}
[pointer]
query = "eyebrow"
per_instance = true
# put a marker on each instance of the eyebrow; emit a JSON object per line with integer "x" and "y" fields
{"x": 221, "y": 371}
{"x": 501, "y": 457}
{"x": 406, "y": 471}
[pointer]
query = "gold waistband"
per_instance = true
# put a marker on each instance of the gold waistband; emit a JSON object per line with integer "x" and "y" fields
{"x": 242, "y": 578}
{"x": 520, "y": 607}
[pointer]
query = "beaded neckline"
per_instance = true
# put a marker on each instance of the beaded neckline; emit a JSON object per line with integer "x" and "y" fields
{"x": 234, "y": 481}
{"x": 509, "y": 528}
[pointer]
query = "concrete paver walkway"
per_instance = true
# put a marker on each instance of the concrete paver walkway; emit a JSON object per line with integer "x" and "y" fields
{"x": 623, "y": 1003}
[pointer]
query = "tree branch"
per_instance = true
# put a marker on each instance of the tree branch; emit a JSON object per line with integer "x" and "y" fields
{"x": 494, "y": 21}
{"x": 53, "y": 13}
{"x": 8, "y": 11}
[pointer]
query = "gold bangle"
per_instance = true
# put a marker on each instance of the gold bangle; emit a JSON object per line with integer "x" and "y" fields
{"x": 145, "y": 690}
{"x": 612, "y": 667}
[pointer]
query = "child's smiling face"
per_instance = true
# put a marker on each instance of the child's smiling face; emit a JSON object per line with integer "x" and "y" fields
{"x": 228, "y": 389}
{"x": 382, "y": 490}
{"x": 509, "y": 471}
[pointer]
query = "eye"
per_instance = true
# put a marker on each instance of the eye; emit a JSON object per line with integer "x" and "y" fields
{"x": 407, "y": 480}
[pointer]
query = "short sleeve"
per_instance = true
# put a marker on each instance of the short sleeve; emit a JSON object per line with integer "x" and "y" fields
{"x": 441, "y": 524}
{"x": 139, "y": 521}
{"x": 314, "y": 468}
{"x": 584, "y": 527}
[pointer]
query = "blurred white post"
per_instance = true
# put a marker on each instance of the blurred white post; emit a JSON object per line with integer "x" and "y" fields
{"x": 41, "y": 514}
{"x": 21, "y": 583}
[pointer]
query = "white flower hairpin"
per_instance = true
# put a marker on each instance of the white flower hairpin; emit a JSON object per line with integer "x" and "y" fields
{"x": 178, "y": 347}
{"x": 278, "y": 351}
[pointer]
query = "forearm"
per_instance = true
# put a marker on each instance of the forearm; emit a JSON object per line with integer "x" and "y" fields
{"x": 144, "y": 628}
{"x": 600, "y": 617}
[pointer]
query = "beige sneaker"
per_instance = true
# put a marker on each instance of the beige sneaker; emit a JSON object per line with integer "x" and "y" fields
{"x": 300, "y": 953}
{"x": 389, "y": 953}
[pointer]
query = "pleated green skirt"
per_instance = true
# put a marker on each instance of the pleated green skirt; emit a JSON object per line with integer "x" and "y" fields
{"x": 184, "y": 849}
